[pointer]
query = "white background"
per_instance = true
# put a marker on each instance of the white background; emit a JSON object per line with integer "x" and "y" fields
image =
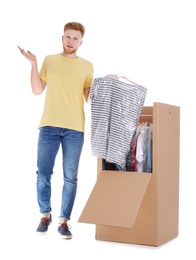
{"x": 151, "y": 42}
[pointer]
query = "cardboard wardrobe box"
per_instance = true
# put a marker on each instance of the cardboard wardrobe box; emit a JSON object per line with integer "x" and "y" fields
{"x": 140, "y": 207}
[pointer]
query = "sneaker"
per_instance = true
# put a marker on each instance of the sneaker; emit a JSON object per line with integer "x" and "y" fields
{"x": 64, "y": 231}
{"x": 43, "y": 225}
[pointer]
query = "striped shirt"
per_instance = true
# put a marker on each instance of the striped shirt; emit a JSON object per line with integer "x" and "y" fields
{"x": 115, "y": 111}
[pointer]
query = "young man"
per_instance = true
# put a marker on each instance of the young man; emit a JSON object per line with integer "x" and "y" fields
{"x": 68, "y": 79}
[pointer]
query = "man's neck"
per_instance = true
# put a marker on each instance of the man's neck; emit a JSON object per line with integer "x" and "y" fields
{"x": 71, "y": 56}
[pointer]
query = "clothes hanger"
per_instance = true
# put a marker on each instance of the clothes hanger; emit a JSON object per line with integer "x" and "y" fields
{"x": 121, "y": 76}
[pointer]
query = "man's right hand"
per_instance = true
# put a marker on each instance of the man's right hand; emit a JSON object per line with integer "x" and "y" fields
{"x": 28, "y": 55}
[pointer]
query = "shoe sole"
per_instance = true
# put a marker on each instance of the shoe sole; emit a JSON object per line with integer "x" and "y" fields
{"x": 41, "y": 233}
{"x": 65, "y": 237}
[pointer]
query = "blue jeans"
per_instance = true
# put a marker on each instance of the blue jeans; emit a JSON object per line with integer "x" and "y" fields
{"x": 49, "y": 141}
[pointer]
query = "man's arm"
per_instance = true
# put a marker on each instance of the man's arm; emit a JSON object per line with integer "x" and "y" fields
{"x": 86, "y": 93}
{"x": 37, "y": 84}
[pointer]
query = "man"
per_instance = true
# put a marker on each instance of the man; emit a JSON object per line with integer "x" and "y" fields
{"x": 68, "y": 78}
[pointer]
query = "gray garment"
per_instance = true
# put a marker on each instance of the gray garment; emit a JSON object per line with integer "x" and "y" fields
{"x": 115, "y": 111}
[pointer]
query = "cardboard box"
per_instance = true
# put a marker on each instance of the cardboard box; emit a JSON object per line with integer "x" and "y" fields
{"x": 139, "y": 207}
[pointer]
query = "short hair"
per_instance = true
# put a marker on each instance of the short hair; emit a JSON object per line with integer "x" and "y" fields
{"x": 75, "y": 26}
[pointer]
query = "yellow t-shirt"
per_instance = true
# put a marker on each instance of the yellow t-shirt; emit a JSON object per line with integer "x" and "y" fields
{"x": 66, "y": 79}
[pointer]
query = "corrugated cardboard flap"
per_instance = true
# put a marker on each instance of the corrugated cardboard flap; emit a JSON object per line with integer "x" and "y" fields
{"x": 115, "y": 198}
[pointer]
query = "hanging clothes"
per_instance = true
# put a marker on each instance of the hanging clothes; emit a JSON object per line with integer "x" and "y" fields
{"x": 148, "y": 153}
{"x": 133, "y": 148}
{"x": 143, "y": 154}
{"x": 116, "y": 106}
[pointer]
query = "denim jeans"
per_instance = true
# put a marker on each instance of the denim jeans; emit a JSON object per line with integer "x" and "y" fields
{"x": 49, "y": 141}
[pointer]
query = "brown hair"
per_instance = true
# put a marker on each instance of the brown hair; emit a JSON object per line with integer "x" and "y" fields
{"x": 75, "y": 26}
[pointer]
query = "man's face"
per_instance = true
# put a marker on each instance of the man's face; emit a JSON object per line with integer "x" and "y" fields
{"x": 72, "y": 39}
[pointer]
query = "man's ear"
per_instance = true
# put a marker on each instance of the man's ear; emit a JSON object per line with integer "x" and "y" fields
{"x": 62, "y": 37}
{"x": 81, "y": 43}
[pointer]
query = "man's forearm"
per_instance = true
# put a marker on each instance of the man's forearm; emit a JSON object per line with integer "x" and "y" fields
{"x": 36, "y": 83}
